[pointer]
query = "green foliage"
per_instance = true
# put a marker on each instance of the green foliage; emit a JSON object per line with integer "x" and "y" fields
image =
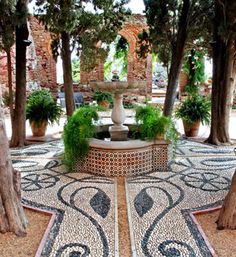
{"x": 90, "y": 31}
{"x": 42, "y": 107}
{"x": 122, "y": 54}
{"x": 107, "y": 69}
{"x": 151, "y": 124}
{"x": 6, "y": 98}
{"x": 173, "y": 25}
{"x": 101, "y": 96}
{"x": 9, "y": 19}
{"x": 76, "y": 70}
{"x": 77, "y": 131}
{"x": 194, "y": 67}
{"x": 165, "y": 20}
{"x": 194, "y": 108}
{"x": 119, "y": 59}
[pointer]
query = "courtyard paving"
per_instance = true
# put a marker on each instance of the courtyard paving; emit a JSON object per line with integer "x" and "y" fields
{"x": 158, "y": 203}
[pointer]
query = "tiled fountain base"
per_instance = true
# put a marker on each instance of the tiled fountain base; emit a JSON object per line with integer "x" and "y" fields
{"x": 126, "y": 158}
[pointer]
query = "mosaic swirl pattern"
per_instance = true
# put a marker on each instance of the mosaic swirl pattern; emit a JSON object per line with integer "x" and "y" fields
{"x": 159, "y": 202}
{"x": 85, "y": 205}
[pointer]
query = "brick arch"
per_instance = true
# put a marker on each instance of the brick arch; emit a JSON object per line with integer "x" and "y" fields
{"x": 131, "y": 39}
{"x": 138, "y": 68}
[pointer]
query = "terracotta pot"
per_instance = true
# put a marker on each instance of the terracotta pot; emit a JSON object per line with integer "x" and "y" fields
{"x": 39, "y": 131}
{"x": 104, "y": 103}
{"x": 191, "y": 129}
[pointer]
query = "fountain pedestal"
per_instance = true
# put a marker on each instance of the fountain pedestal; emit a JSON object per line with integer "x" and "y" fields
{"x": 118, "y": 131}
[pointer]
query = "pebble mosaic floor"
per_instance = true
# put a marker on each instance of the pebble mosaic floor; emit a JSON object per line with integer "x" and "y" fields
{"x": 85, "y": 205}
{"x": 159, "y": 203}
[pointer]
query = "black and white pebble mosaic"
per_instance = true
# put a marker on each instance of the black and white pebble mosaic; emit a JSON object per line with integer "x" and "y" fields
{"x": 159, "y": 203}
{"x": 85, "y": 205}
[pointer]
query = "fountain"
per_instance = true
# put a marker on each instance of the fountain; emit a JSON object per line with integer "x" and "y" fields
{"x": 120, "y": 157}
{"x": 118, "y": 131}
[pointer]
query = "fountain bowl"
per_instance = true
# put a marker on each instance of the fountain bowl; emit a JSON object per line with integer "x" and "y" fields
{"x": 120, "y": 87}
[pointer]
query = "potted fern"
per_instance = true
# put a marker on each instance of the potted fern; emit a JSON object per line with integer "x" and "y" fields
{"x": 41, "y": 110}
{"x": 103, "y": 99}
{"x": 152, "y": 125}
{"x": 194, "y": 110}
{"x": 77, "y": 131}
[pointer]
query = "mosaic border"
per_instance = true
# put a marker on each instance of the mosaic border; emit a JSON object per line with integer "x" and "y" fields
{"x": 204, "y": 246}
{"x": 47, "y": 245}
{"x": 201, "y": 212}
{"x": 132, "y": 241}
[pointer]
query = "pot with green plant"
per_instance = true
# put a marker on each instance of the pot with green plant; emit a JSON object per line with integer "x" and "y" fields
{"x": 103, "y": 99}
{"x": 77, "y": 131}
{"x": 152, "y": 125}
{"x": 194, "y": 110}
{"x": 41, "y": 110}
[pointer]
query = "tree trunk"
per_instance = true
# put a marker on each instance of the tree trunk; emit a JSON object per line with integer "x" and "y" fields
{"x": 227, "y": 217}
{"x": 176, "y": 60}
{"x": 9, "y": 73}
{"x": 19, "y": 116}
{"x": 67, "y": 73}
{"x": 224, "y": 81}
{"x": 12, "y": 217}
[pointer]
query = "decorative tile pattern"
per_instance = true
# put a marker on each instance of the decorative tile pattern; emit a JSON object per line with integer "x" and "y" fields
{"x": 110, "y": 162}
{"x": 159, "y": 203}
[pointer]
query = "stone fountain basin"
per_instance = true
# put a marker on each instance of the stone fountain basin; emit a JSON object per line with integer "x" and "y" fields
{"x": 117, "y": 86}
{"x": 125, "y": 158}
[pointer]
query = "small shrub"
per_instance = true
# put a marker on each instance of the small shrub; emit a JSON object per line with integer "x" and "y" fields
{"x": 77, "y": 131}
{"x": 151, "y": 124}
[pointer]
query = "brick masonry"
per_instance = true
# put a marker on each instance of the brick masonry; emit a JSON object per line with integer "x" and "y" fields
{"x": 138, "y": 68}
{"x": 41, "y": 67}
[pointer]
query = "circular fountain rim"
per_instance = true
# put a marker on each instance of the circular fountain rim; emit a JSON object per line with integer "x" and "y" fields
{"x": 124, "y": 145}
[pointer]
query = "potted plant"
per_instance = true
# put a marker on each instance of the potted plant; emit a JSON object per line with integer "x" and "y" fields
{"x": 193, "y": 111}
{"x": 42, "y": 109}
{"x": 77, "y": 131}
{"x": 103, "y": 98}
{"x": 151, "y": 124}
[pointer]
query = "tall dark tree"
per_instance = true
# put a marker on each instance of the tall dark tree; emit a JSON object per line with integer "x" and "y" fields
{"x": 227, "y": 217}
{"x": 172, "y": 24}
{"x": 12, "y": 217}
{"x": 7, "y": 40}
{"x": 224, "y": 82}
{"x": 224, "y": 69}
{"x": 21, "y": 34}
{"x": 13, "y": 23}
{"x": 74, "y": 26}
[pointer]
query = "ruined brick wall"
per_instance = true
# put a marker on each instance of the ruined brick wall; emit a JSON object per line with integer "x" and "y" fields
{"x": 41, "y": 68}
{"x": 97, "y": 74}
{"x": 138, "y": 68}
{"x": 3, "y": 70}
